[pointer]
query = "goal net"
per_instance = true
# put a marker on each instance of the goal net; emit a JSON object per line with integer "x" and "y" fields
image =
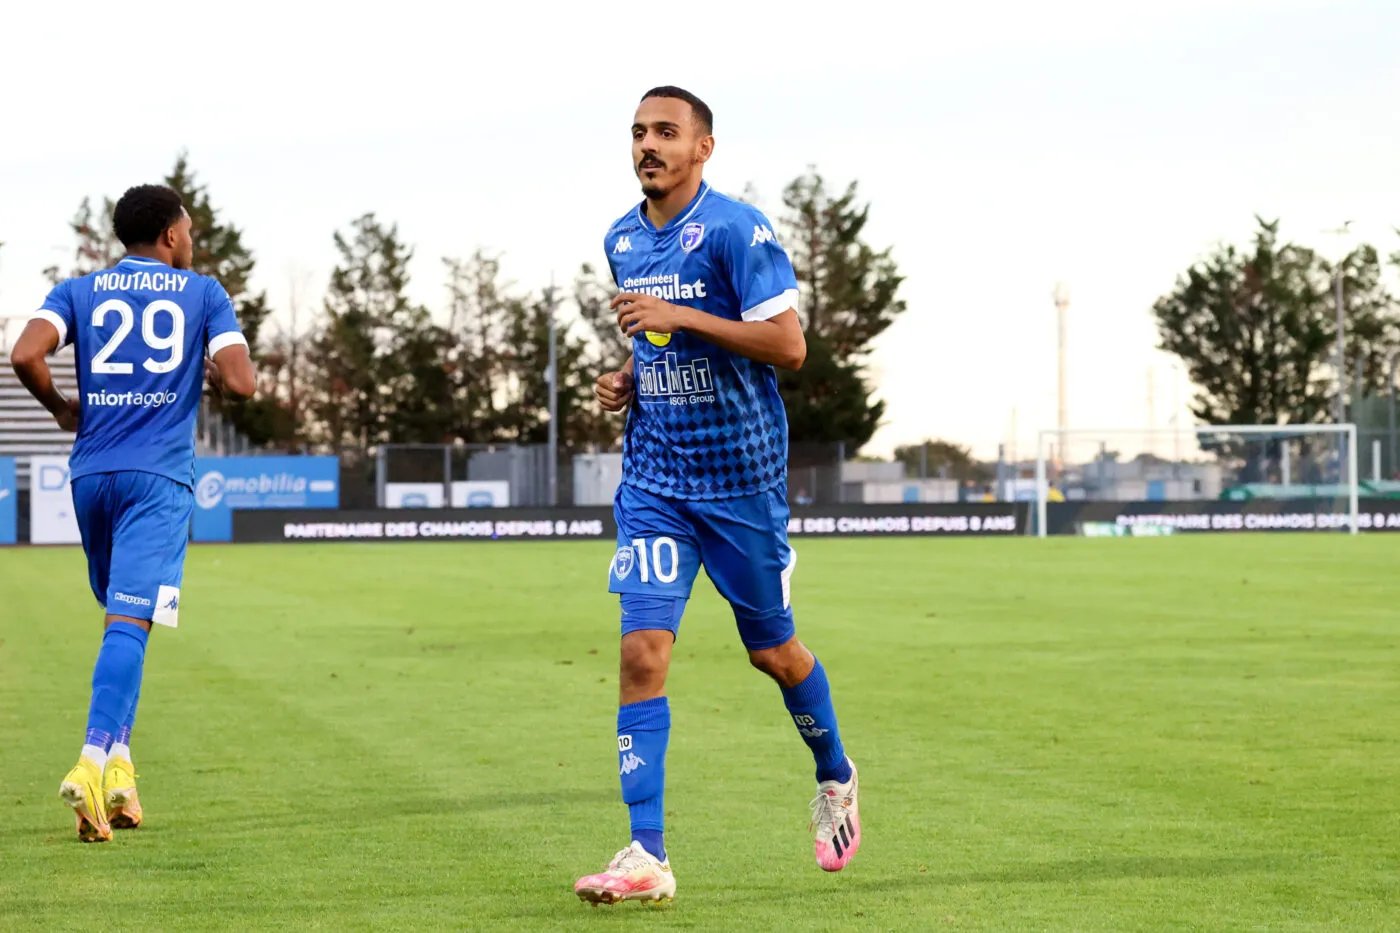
{"x": 1201, "y": 478}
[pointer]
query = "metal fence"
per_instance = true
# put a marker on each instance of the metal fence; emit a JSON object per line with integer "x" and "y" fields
{"x": 1230, "y": 462}
{"x": 520, "y": 475}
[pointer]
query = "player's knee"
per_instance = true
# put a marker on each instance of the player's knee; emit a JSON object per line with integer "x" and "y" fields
{"x": 788, "y": 663}
{"x": 768, "y": 660}
{"x": 646, "y": 656}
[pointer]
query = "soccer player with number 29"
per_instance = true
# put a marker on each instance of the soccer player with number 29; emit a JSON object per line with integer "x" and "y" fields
{"x": 140, "y": 332}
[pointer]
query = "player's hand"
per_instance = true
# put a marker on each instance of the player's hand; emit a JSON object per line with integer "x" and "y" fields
{"x": 637, "y": 313}
{"x": 69, "y": 417}
{"x": 613, "y": 391}
{"x": 211, "y": 374}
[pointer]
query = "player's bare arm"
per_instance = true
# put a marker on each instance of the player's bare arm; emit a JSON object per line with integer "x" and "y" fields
{"x": 777, "y": 341}
{"x": 30, "y": 361}
{"x": 614, "y": 390}
{"x": 230, "y": 373}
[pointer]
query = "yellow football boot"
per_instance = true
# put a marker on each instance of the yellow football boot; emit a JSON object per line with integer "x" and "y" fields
{"x": 119, "y": 792}
{"x": 82, "y": 790}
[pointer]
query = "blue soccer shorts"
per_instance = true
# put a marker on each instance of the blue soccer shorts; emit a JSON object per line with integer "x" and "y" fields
{"x": 742, "y": 544}
{"x": 135, "y": 527}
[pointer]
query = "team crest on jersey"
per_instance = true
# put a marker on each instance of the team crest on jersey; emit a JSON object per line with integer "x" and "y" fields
{"x": 623, "y": 561}
{"x": 691, "y": 235}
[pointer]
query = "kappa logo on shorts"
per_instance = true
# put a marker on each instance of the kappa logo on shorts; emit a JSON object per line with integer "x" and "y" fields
{"x": 623, "y": 562}
{"x": 134, "y": 600}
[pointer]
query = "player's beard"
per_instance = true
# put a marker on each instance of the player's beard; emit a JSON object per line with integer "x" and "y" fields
{"x": 668, "y": 181}
{"x": 656, "y": 188}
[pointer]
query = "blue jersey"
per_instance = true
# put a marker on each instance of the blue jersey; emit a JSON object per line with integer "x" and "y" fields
{"x": 140, "y": 331}
{"x": 706, "y": 423}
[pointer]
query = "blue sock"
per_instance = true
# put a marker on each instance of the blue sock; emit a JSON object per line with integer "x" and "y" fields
{"x": 124, "y": 733}
{"x": 810, "y": 705}
{"x": 116, "y": 681}
{"x": 643, "y": 729}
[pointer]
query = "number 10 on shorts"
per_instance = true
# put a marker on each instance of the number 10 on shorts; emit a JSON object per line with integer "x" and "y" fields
{"x": 665, "y": 560}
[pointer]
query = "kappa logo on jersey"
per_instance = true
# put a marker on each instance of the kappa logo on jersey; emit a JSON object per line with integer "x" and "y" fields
{"x": 631, "y": 763}
{"x": 691, "y": 235}
{"x": 623, "y": 244}
{"x": 761, "y": 234}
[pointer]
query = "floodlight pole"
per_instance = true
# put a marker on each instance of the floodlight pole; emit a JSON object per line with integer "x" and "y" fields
{"x": 1390, "y": 411}
{"x": 1176, "y": 420}
{"x": 552, "y": 471}
{"x": 1061, "y": 297}
{"x": 1042, "y": 494}
{"x": 1341, "y": 405}
{"x": 1352, "y": 478}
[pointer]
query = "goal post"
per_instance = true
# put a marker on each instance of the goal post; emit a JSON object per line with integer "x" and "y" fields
{"x": 1201, "y": 463}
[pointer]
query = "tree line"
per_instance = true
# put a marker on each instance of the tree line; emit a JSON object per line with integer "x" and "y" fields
{"x": 372, "y": 366}
{"x": 1256, "y": 329}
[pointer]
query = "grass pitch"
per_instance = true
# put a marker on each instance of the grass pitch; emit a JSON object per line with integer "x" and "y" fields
{"x": 1189, "y": 733}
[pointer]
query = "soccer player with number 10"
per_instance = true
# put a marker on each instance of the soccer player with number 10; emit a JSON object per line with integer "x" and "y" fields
{"x": 709, "y": 299}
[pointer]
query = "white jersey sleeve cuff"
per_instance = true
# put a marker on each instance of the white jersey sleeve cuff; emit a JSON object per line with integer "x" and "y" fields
{"x": 773, "y": 306}
{"x": 54, "y": 318}
{"x": 228, "y": 339}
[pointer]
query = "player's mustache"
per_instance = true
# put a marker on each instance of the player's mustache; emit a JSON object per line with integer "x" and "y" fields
{"x": 650, "y": 162}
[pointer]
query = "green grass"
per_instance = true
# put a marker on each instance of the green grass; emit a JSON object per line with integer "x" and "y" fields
{"x": 1190, "y": 733}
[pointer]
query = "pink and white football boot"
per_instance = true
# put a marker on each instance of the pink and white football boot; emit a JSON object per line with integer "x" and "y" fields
{"x": 634, "y": 874}
{"x": 836, "y": 818}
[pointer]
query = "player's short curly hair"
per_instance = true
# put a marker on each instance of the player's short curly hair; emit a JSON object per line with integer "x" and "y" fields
{"x": 144, "y": 213}
{"x": 704, "y": 117}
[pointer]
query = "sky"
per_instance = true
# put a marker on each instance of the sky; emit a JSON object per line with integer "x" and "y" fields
{"x": 1003, "y": 147}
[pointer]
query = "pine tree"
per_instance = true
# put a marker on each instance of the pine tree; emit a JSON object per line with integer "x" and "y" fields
{"x": 478, "y": 318}
{"x": 1257, "y": 329}
{"x": 849, "y": 296}
{"x": 98, "y": 247}
{"x": 526, "y": 412}
{"x": 219, "y": 251}
{"x": 356, "y": 383}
